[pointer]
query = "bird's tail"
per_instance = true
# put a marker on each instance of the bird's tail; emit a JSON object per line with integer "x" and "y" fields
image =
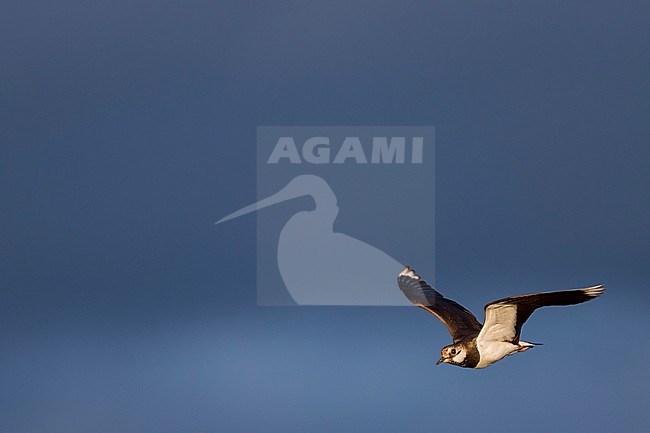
{"x": 525, "y": 345}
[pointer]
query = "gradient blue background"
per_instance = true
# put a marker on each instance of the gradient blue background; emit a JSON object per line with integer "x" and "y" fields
{"x": 128, "y": 128}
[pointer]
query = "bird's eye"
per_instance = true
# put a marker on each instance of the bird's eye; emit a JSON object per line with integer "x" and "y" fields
{"x": 453, "y": 351}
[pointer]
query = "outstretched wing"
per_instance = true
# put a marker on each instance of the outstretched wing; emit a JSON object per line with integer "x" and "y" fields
{"x": 505, "y": 317}
{"x": 456, "y": 318}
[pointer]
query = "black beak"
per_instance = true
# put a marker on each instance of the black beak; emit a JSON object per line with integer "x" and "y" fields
{"x": 440, "y": 361}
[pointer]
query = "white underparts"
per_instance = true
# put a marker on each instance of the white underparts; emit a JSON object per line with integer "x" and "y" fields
{"x": 494, "y": 351}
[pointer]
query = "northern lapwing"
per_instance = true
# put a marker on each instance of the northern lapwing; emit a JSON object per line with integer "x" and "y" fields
{"x": 478, "y": 346}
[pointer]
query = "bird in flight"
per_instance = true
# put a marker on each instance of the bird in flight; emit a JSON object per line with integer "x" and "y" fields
{"x": 476, "y": 345}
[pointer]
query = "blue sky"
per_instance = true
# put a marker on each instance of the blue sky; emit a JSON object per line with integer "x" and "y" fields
{"x": 128, "y": 129}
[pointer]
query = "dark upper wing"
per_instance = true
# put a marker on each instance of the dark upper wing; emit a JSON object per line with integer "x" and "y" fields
{"x": 456, "y": 318}
{"x": 505, "y": 317}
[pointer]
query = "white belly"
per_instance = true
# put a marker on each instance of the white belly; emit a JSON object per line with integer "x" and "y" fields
{"x": 493, "y": 351}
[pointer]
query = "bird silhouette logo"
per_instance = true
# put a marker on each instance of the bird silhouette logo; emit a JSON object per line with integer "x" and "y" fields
{"x": 382, "y": 177}
{"x": 320, "y": 266}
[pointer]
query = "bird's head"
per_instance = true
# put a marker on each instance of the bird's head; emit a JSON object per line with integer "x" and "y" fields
{"x": 452, "y": 354}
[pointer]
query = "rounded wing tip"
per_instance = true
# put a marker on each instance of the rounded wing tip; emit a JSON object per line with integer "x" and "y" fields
{"x": 408, "y": 272}
{"x": 595, "y": 291}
